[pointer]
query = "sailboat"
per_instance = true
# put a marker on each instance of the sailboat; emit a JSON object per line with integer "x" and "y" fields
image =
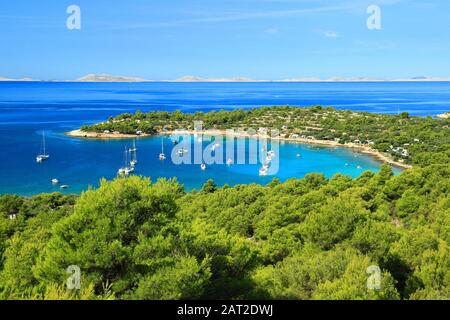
{"x": 43, "y": 156}
{"x": 133, "y": 149}
{"x": 133, "y": 152}
{"x": 126, "y": 170}
{"x": 162, "y": 156}
{"x": 263, "y": 170}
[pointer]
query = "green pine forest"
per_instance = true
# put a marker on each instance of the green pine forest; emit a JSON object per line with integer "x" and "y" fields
{"x": 309, "y": 238}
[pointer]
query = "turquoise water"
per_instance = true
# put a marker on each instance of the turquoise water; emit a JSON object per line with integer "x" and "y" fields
{"x": 27, "y": 108}
{"x": 81, "y": 162}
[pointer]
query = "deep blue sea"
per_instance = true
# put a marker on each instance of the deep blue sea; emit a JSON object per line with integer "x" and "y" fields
{"x": 27, "y": 108}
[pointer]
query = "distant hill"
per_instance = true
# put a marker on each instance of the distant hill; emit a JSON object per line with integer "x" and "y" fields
{"x": 108, "y": 78}
{"x": 21, "y": 79}
{"x": 198, "y": 79}
{"x": 92, "y": 77}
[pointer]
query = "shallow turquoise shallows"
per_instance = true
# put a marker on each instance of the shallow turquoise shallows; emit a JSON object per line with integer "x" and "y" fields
{"x": 79, "y": 163}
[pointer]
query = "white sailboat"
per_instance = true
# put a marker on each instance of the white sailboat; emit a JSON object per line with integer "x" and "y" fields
{"x": 43, "y": 156}
{"x": 133, "y": 149}
{"x": 133, "y": 152}
{"x": 203, "y": 166}
{"x": 263, "y": 170}
{"x": 126, "y": 170}
{"x": 162, "y": 156}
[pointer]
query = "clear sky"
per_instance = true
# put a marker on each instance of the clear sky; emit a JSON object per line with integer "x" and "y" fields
{"x": 261, "y": 39}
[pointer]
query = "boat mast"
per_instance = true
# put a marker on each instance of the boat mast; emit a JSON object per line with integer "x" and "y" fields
{"x": 43, "y": 141}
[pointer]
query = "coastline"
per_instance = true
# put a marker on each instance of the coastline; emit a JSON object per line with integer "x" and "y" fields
{"x": 444, "y": 115}
{"x": 383, "y": 157}
{"x": 101, "y": 135}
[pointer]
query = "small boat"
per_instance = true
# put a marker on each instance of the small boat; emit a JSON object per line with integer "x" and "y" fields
{"x": 263, "y": 171}
{"x": 64, "y": 186}
{"x": 55, "y": 181}
{"x": 133, "y": 149}
{"x": 128, "y": 168}
{"x": 298, "y": 155}
{"x": 133, "y": 152}
{"x": 203, "y": 166}
{"x": 181, "y": 152}
{"x": 270, "y": 155}
{"x": 346, "y": 164}
{"x": 229, "y": 162}
{"x": 358, "y": 167}
{"x": 123, "y": 172}
{"x": 43, "y": 156}
{"x": 162, "y": 156}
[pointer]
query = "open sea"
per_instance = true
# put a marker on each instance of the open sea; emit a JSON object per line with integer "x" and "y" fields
{"x": 27, "y": 108}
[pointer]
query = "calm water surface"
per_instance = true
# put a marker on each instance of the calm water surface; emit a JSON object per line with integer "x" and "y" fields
{"x": 28, "y": 108}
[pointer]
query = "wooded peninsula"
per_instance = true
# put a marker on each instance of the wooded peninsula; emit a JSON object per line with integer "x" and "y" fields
{"x": 404, "y": 139}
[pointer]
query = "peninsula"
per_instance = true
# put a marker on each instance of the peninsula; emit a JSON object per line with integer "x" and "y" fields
{"x": 400, "y": 140}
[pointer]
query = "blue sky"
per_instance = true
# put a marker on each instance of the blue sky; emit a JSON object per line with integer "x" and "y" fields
{"x": 261, "y": 39}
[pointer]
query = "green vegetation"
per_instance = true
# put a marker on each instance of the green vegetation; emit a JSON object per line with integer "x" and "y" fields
{"x": 413, "y": 140}
{"x": 310, "y": 238}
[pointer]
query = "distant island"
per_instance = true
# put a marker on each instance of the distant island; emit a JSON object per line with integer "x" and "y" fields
{"x": 103, "y": 77}
{"x": 2, "y": 79}
{"x": 400, "y": 140}
{"x": 108, "y": 78}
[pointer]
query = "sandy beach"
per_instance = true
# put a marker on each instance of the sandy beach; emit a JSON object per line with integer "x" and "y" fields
{"x": 101, "y": 135}
{"x": 444, "y": 115}
{"x": 384, "y": 157}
